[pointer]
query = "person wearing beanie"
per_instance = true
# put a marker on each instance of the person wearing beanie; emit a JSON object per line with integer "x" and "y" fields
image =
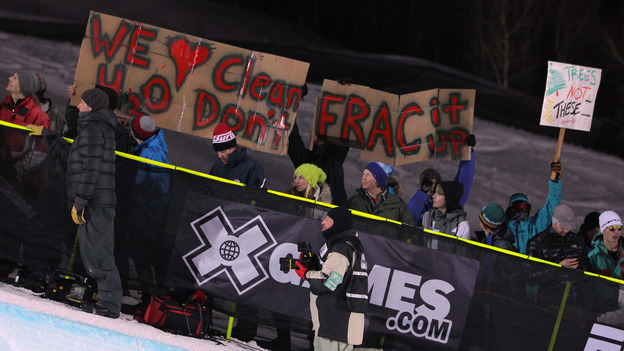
{"x": 521, "y": 225}
{"x": 558, "y": 244}
{"x": 91, "y": 195}
{"x": 607, "y": 255}
{"x": 422, "y": 201}
{"x": 374, "y": 197}
{"x": 58, "y": 124}
{"x": 233, "y": 162}
{"x": 18, "y": 107}
{"x": 493, "y": 229}
{"x": 309, "y": 182}
{"x": 337, "y": 312}
{"x": 447, "y": 215}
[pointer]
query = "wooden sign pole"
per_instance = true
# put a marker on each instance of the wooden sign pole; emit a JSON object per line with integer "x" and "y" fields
{"x": 559, "y": 144}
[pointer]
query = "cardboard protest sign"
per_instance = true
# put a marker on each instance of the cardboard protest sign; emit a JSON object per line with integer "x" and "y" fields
{"x": 393, "y": 129}
{"x": 570, "y": 96}
{"x": 190, "y": 84}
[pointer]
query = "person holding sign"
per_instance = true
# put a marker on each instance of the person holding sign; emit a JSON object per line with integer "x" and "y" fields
{"x": 421, "y": 202}
{"x": 523, "y": 227}
{"x": 374, "y": 197}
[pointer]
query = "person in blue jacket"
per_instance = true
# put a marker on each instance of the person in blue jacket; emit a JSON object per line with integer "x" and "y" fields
{"x": 422, "y": 201}
{"x": 518, "y": 221}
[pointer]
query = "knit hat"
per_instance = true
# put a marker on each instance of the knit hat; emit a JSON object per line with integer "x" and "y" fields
{"x": 564, "y": 215}
{"x": 607, "y": 219}
{"x": 311, "y": 173}
{"x": 492, "y": 215}
{"x": 223, "y": 138}
{"x": 518, "y": 197}
{"x": 30, "y": 82}
{"x": 453, "y": 191}
{"x": 143, "y": 127}
{"x": 381, "y": 172}
{"x": 343, "y": 220}
{"x": 113, "y": 97}
{"x": 42, "y": 89}
{"x": 95, "y": 98}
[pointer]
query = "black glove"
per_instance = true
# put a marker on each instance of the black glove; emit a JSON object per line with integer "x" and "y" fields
{"x": 79, "y": 211}
{"x": 471, "y": 140}
{"x": 555, "y": 170}
{"x": 345, "y": 80}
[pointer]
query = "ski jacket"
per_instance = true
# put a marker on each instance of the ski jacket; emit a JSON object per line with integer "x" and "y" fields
{"x": 453, "y": 223}
{"x": 240, "y": 168}
{"x": 421, "y": 202}
{"x": 155, "y": 149}
{"x": 602, "y": 263}
{"x": 91, "y": 159}
{"x": 523, "y": 230}
{"x": 389, "y": 206}
{"x": 331, "y": 316}
{"x": 551, "y": 246}
{"x": 328, "y": 157}
{"x": 25, "y": 112}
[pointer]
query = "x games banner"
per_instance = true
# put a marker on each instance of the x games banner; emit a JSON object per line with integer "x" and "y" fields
{"x": 232, "y": 251}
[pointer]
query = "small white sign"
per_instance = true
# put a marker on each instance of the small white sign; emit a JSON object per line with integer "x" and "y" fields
{"x": 570, "y": 96}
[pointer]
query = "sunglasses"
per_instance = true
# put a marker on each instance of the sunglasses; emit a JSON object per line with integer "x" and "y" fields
{"x": 614, "y": 228}
{"x": 521, "y": 206}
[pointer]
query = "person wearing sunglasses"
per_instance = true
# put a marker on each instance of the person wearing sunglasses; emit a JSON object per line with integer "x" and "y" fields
{"x": 607, "y": 257}
{"x": 520, "y": 223}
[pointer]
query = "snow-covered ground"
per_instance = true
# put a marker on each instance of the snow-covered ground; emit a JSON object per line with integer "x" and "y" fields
{"x": 29, "y": 322}
{"x": 508, "y": 161}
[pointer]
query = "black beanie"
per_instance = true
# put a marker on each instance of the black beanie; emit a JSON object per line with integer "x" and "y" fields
{"x": 453, "y": 192}
{"x": 113, "y": 98}
{"x": 95, "y": 98}
{"x": 343, "y": 220}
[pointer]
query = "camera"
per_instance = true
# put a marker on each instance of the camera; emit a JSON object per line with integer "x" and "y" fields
{"x": 307, "y": 258}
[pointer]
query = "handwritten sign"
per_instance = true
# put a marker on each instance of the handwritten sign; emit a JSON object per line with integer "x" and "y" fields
{"x": 395, "y": 129}
{"x": 189, "y": 84}
{"x": 570, "y": 96}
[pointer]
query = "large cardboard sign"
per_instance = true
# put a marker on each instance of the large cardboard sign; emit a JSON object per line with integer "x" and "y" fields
{"x": 570, "y": 96}
{"x": 190, "y": 84}
{"x": 393, "y": 129}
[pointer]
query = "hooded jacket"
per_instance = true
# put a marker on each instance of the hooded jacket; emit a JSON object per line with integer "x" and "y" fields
{"x": 154, "y": 148}
{"x": 240, "y": 168}
{"x": 91, "y": 159}
{"x": 602, "y": 263}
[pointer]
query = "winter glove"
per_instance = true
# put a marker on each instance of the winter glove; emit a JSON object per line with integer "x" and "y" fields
{"x": 310, "y": 260}
{"x": 79, "y": 211}
{"x": 41, "y": 131}
{"x": 555, "y": 170}
{"x": 301, "y": 270}
{"x": 471, "y": 141}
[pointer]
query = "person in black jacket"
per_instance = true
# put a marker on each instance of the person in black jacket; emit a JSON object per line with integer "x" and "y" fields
{"x": 560, "y": 245}
{"x": 91, "y": 194}
{"x": 338, "y": 317}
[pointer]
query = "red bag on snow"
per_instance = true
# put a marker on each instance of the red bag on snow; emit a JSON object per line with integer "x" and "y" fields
{"x": 191, "y": 319}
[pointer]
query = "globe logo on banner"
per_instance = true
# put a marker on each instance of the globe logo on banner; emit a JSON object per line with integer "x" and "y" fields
{"x": 226, "y": 250}
{"x": 229, "y": 250}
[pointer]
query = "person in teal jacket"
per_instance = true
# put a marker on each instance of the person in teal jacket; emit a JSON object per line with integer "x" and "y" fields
{"x": 518, "y": 221}
{"x": 607, "y": 256}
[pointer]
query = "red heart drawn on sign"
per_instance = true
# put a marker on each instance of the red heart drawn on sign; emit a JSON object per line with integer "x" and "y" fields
{"x": 186, "y": 57}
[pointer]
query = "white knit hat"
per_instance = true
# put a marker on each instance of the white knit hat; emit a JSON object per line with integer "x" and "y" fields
{"x": 607, "y": 219}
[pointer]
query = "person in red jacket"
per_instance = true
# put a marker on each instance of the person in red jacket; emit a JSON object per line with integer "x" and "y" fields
{"x": 18, "y": 107}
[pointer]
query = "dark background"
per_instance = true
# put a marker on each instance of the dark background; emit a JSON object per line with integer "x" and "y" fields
{"x": 498, "y": 47}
